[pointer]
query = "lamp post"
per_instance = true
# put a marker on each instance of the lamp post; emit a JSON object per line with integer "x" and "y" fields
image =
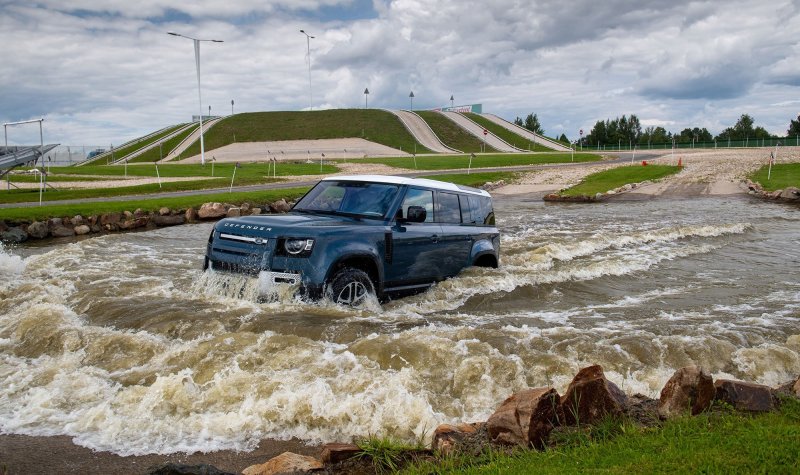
{"x": 411, "y": 98}
{"x": 366, "y": 95}
{"x": 231, "y": 106}
{"x": 209, "y": 111}
{"x": 308, "y": 52}
{"x": 452, "y": 100}
{"x": 199, "y": 95}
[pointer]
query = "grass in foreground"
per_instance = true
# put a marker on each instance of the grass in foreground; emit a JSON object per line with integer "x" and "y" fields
{"x": 783, "y": 175}
{"x": 371, "y": 124}
{"x": 481, "y": 161}
{"x": 176, "y": 202}
{"x": 614, "y": 178}
{"x": 716, "y": 442}
{"x": 451, "y": 134}
{"x": 508, "y": 136}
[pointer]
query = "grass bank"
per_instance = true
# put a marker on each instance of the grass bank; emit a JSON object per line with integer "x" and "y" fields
{"x": 716, "y": 442}
{"x": 157, "y": 153}
{"x": 474, "y": 180}
{"x": 140, "y": 143}
{"x": 508, "y": 136}
{"x": 614, "y": 178}
{"x": 371, "y": 124}
{"x": 481, "y": 161}
{"x": 451, "y": 134}
{"x": 783, "y": 175}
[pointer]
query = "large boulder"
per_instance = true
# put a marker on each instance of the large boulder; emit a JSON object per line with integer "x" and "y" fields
{"x": 280, "y": 206}
{"x": 167, "y": 220}
{"x": 233, "y": 212}
{"x": 283, "y": 463}
{"x": 791, "y": 194}
{"x": 690, "y": 389}
{"x": 82, "y": 229}
{"x": 15, "y": 234}
{"x": 110, "y": 218}
{"x": 590, "y": 397}
{"x": 38, "y": 230}
{"x": 62, "y": 231}
{"x": 212, "y": 211}
{"x": 337, "y": 452}
{"x": 745, "y": 396}
{"x": 191, "y": 215}
{"x": 183, "y": 469}
{"x": 3, "y": 226}
{"x": 525, "y": 418}
{"x": 255, "y": 211}
{"x": 446, "y": 437}
{"x": 164, "y": 211}
{"x": 77, "y": 220}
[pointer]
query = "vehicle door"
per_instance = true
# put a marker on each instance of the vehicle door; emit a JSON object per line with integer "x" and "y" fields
{"x": 415, "y": 245}
{"x": 456, "y": 240}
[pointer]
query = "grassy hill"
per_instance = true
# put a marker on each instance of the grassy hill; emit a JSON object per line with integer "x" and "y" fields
{"x": 155, "y": 154}
{"x": 371, "y": 124}
{"x": 507, "y": 135}
{"x": 451, "y": 134}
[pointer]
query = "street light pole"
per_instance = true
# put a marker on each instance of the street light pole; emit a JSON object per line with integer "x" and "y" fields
{"x": 411, "y": 97}
{"x": 308, "y": 52}
{"x": 452, "y": 100}
{"x": 199, "y": 95}
{"x": 231, "y": 106}
{"x": 366, "y": 95}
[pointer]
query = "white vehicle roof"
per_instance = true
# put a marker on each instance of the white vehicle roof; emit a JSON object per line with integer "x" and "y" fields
{"x": 400, "y": 180}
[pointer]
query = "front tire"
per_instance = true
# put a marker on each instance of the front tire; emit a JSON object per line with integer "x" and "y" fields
{"x": 350, "y": 287}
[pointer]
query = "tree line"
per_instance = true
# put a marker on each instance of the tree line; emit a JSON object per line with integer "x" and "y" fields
{"x": 627, "y": 130}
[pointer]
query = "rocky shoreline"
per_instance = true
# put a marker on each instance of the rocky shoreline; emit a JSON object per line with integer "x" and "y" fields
{"x": 530, "y": 418}
{"x": 21, "y": 231}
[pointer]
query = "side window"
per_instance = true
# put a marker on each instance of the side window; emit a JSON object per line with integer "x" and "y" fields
{"x": 418, "y": 197}
{"x": 481, "y": 208}
{"x": 486, "y": 206}
{"x": 466, "y": 216}
{"x": 449, "y": 210}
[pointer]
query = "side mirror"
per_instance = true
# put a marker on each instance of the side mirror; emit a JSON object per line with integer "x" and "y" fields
{"x": 416, "y": 214}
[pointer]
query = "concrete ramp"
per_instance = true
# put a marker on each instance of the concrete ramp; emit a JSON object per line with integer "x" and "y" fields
{"x": 476, "y": 130}
{"x": 422, "y": 132}
{"x": 190, "y": 139}
{"x": 522, "y": 131}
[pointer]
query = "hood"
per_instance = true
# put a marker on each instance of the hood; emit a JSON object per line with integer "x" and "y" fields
{"x": 280, "y": 222}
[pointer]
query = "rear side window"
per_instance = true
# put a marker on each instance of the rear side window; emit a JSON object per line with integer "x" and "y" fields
{"x": 481, "y": 209}
{"x": 449, "y": 209}
{"x": 466, "y": 216}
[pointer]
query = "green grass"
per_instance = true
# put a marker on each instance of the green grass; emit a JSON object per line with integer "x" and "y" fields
{"x": 716, "y": 442}
{"x": 614, "y": 178}
{"x": 481, "y": 161}
{"x": 247, "y": 174}
{"x": 507, "y": 135}
{"x": 121, "y": 152}
{"x": 371, "y": 124}
{"x": 783, "y": 175}
{"x": 451, "y": 134}
{"x": 51, "y": 179}
{"x": 474, "y": 180}
{"x": 177, "y": 202}
{"x": 157, "y": 153}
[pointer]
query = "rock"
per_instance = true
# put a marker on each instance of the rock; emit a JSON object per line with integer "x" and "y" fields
{"x": 526, "y": 418}
{"x": 82, "y": 229}
{"x": 447, "y": 437}
{"x": 181, "y": 469}
{"x": 796, "y": 388}
{"x": 689, "y": 389}
{"x": 38, "y": 230}
{"x": 598, "y": 196}
{"x": 791, "y": 193}
{"x": 285, "y": 462}
{"x": 234, "y": 212}
{"x": 280, "y": 206}
{"x": 745, "y": 396}
{"x": 590, "y": 397}
{"x": 212, "y": 210}
{"x": 110, "y": 218}
{"x": 552, "y": 197}
{"x": 139, "y": 213}
{"x": 3, "y": 226}
{"x": 164, "y": 211}
{"x": 15, "y": 234}
{"x": 162, "y": 220}
{"x": 255, "y": 211}
{"x": 191, "y": 215}
{"x": 96, "y": 228}
{"x": 335, "y": 452}
{"x": 127, "y": 215}
{"x": 93, "y": 219}
{"x": 775, "y": 194}
{"x": 77, "y": 220}
{"x": 62, "y": 231}
{"x": 245, "y": 207}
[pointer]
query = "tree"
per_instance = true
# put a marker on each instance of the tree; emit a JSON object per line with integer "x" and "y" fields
{"x": 519, "y": 121}
{"x": 532, "y": 124}
{"x": 694, "y": 135}
{"x": 794, "y": 127}
{"x": 563, "y": 138}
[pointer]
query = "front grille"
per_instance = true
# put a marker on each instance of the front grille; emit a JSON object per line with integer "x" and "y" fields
{"x": 236, "y": 268}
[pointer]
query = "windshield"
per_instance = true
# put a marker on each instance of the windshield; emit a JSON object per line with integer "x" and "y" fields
{"x": 350, "y": 198}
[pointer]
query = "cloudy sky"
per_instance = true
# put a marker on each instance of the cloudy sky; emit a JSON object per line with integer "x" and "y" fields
{"x": 103, "y": 72}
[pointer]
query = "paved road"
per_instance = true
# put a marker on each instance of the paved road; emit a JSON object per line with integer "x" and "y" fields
{"x": 422, "y": 131}
{"x": 624, "y": 157}
{"x": 477, "y": 130}
{"x": 523, "y": 132}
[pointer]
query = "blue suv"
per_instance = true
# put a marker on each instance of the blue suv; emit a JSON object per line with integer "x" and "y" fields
{"x": 353, "y": 236}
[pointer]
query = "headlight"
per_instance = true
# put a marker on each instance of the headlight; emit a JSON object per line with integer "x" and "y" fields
{"x": 299, "y": 246}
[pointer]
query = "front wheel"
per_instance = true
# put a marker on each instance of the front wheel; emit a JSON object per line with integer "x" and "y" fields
{"x": 350, "y": 287}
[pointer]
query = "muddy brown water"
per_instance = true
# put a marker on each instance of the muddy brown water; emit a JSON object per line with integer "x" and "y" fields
{"x": 124, "y": 344}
